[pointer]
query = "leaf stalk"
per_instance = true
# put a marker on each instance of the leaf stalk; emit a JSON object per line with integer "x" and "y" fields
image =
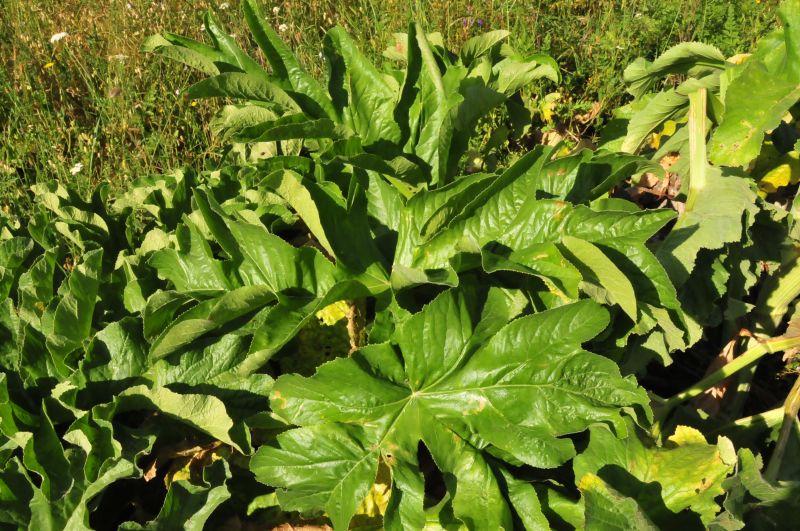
{"x": 697, "y": 147}
{"x": 751, "y": 356}
{"x": 790, "y": 409}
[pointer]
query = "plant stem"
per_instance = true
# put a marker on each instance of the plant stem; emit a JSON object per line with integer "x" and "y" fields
{"x": 790, "y": 408}
{"x": 697, "y": 146}
{"x": 751, "y": 356}
{"x": 768, "y": 419}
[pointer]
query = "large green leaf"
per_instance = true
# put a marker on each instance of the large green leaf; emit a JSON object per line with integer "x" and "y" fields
{"x": 457, "y": 378}
{"x": 606, "y": 508}
{"x": 438, "y": 104}
{"x": 370, "y": 98}
{"x": 511, "y": 229}
{"x": 114, "y": 360}
{"x": 72, "y": 477}
{"x": 755, "y": 502}
{"x": 187, "y": 51}
{"x": 203, "y": 412}
{"x": 480, "y": 45}
{"x": 342, "y": 233}
{"x": 686, "y": 472}
{"x": 516, "y": 72}
{"x": 724, "y": 209}
{"x": 301, "y": 280}
{"x": 192, "y": 267}
{"x": 13, "y": 253}
{"x": 242, "y": 86}
{"x": 309, "y": 93}
{"x": 68, "y": 323}
{"x": 774, "y": 73}
{"x": 691, "y": 58}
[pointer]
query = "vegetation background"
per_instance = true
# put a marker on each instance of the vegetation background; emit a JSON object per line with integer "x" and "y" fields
{"x": 91, "y": 107}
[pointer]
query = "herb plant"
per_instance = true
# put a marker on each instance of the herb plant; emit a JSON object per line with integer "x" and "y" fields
{"x": 347, "y": 322}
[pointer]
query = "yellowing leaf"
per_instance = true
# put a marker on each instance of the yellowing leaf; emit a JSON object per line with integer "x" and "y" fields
{"x": 374, "y": 505}
{"x": 688, "y": 471}
{"x": 333, "y": 313}
{"x": 547, "y": 108}
{"x": 687, "y": 435}
{"x": 785, "y": 173}
{"x": 667, "y": 130}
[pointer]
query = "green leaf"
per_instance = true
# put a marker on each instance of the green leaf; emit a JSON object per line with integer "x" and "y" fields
{"x": 75, "y": 474}
{"x": 289, "y": 127}
{"x": 686, "y": 473}
{"x": 525, "y": 502}
{"x": 657, "y": 109}
{"x": 606, "y": 508}
{"x": 774, "y": 71}
{"x": 192, "y": 267}
{"x": 233, "y": 119}
{"x": 724, "y": 208}
{"x": 370, "y": 98}
{"x": 480, "y": 45}
{"x": 309, "y": 94}
{"x": 326, "y": 467}
{"x": 188, "y": 506}
{"x": 229, "y": 49}
{"x": 115, "y": 359}
{"x": 602, "y": 272}
{"x": 191, "y": 53}
{"x": 208, "y": 316}
{"x": 35, "y": 287}
{"x": 16, "y": 490}
{"x": 755, "y": 502}
{"x": 515, "y": 73}
{"x": 342, "y": 233}
{"x": 13, "y": 253}
{"x": 439, "y": 100}
{"x": 445, "y": 381}
{"x": 202, "y": 412}
{"x": 691, "y": 58}
{"x": 69, "y": 323}
{"x": 242, "y": 86}
{"x": 513, "y": 230}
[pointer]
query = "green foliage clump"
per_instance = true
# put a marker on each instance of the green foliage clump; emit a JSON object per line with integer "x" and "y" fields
{"x": 350, "y": 322}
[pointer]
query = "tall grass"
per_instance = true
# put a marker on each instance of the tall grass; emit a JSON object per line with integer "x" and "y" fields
{"x": 91, "y": 107}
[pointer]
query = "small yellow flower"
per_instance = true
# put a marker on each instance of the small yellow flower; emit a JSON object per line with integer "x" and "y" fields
{"x": 48, "y": 65}
{"x": 193, "y": 104}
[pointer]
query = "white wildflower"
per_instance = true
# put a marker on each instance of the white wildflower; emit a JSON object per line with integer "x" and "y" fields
{"x": 58, "y": 36}
{"x": 276, "y": 10}
{"x": 129, "y": 6}
{"x": 224, "y": 5}
{"x": 76, "y": 169}
{"x": 177, "y": 92}
{"x": 283, "y": 27}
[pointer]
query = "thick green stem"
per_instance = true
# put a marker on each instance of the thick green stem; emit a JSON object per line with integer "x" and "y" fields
{"x": 790, "y": 408}
{"x": 767, "y": 419}
{"x": 754, "y": 354}
{"x": 697, "y": 146}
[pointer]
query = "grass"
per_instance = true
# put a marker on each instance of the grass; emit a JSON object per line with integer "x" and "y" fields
{"x": 93, "y": 101}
